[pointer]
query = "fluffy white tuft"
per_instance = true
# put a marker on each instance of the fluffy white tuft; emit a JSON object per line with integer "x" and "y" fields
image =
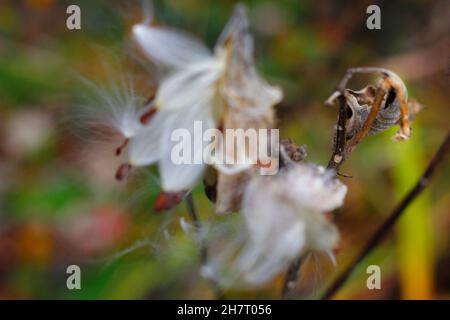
{"x": 169, "y": 47}
{"x": 284, "y": 217}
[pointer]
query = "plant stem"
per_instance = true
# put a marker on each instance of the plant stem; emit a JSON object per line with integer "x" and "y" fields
{"x": 338, "y": 155}
{"x": 336, "y": 160}
{"x": 341, "y": 148}
{"x": 393, "y": 217}
{"x": 203, "y": 245}
{"x": 292, "y": 277}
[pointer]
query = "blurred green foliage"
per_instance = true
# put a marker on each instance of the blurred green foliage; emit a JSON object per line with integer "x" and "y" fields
{"x": 59, "y": 204}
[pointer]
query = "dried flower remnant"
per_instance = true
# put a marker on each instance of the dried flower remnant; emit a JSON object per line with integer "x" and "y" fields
{"x": 184, "y": 96}
{"x": 249, "y": 102}
{"x": 372, "y": 110}
{"x": 285, "y": 216}
{"x": 291, "y": 152}
{"x": 220, "y": 89}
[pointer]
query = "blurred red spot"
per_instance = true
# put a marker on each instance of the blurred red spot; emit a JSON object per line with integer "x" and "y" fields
{"x": 93, "y": 233}
{"x": 168, "y": 200}
{"x": 329, "y": 216}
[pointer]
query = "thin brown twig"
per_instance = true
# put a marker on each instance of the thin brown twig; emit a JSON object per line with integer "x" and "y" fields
{"x": 341, "y": 148}
{"x": 335, "y": 162}
{"x": 423, "y": 182}
{"x": 337, "y": 158}
{"x": 292, "y": 277}
{"x": 203, "y": 245}
{"x": 338, "y": 155}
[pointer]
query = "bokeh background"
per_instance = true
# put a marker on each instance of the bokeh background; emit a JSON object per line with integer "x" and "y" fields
{"x": 60, "y": 204}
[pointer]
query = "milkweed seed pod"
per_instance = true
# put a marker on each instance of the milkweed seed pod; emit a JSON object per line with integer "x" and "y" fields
{"x": 359, "y": 104}
{"x": 216, "y": 89}
{"x": 249, "y": 104}
{"x": 230, "y": 185}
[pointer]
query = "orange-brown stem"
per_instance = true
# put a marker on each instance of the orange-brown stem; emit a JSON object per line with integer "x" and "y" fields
{"x": 369, "y": 121}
